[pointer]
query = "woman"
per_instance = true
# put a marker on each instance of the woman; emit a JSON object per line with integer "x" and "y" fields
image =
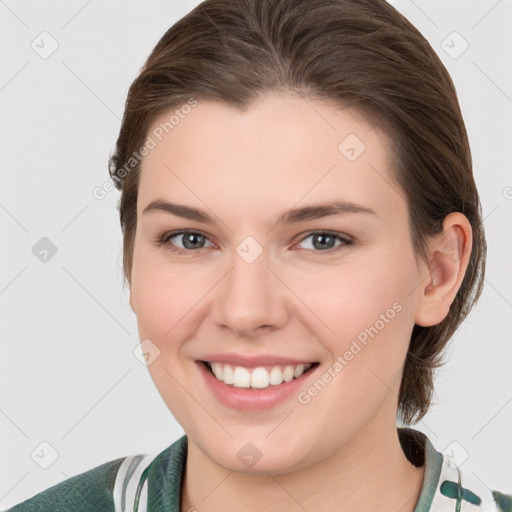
{"x": 302, "y": 237}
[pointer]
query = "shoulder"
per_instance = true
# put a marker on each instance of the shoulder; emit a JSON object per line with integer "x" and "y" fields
{"x": 91, "y": 490}
{"x": 448, "y": 485}
{"x": 117, "y": 485}
{"x": 460, "y": 486}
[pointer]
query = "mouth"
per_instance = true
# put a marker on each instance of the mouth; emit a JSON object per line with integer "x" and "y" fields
{"x": 259, "y": 377}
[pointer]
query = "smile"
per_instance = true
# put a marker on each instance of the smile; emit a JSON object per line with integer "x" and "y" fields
{"x": 260, "y": 377}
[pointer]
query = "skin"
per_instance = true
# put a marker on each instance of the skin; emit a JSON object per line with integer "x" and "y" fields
{"x": 246, "y": 168}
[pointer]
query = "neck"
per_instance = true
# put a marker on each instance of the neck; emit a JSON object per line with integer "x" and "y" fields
{"x": 369, "y": 472}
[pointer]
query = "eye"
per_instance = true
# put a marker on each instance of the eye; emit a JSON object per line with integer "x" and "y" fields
{"x": 324, "y": 241}
{"x": 190, "y": 241}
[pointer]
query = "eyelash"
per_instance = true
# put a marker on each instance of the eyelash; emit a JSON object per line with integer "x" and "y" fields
{"x": 164, "y": 241}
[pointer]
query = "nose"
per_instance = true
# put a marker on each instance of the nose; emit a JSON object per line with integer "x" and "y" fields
{"x": 251, "y": 299}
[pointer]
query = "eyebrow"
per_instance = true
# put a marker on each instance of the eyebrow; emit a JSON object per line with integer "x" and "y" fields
{"x": 292, "y": 216}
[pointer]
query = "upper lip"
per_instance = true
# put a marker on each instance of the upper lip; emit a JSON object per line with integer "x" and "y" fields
{"x": 253, "y": 361}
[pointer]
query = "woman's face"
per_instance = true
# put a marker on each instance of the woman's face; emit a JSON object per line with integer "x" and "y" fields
{"x": 246, "y": 284}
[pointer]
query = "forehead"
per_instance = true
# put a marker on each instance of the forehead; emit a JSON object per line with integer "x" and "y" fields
{"x": 282, "y": 147}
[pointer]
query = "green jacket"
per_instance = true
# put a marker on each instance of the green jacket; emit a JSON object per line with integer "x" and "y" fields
{"x": 149, "y": 483}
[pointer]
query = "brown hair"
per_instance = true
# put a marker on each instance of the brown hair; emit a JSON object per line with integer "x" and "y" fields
{"x": 363, "y": 54}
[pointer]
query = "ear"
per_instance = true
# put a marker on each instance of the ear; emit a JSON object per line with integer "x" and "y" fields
{"x": 449, "y": 254}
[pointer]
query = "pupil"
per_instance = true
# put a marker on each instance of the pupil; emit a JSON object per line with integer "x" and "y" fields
{"x": 188, "y": 238}
{"x": 323, "y": 238}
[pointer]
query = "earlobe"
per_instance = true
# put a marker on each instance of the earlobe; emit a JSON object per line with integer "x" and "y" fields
{"x": 449, "y": 257}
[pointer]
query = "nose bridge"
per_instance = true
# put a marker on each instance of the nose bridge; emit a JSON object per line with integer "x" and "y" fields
{"x": 250, "y": 295}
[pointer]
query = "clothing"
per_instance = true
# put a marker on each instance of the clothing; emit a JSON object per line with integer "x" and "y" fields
{"x": 153, "y": 483}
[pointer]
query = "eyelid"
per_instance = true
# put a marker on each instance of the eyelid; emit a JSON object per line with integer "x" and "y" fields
{"x": 338, "y": 234}
{"x": 346, "y": 240}
{"x": 164, "y": 239}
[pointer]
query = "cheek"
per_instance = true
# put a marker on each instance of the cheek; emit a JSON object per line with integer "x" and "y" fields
{"x": 351, "y": 298}
{"x": 154, "y": 306}
{"x": 156, "y": 296}
{"x": 163, "y": 299}
{"x": 371, "y": 314}
{"x": 160, "y": 291}
{"x": 364, "y": 313}
{"x": 339, "y": 302}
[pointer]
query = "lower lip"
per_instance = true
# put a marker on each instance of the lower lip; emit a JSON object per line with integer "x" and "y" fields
{"x": 245, "y": 399}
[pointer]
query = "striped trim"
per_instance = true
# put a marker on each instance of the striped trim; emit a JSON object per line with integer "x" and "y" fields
{"x": 143, "y": 499}
{"x": 127, "y": 481}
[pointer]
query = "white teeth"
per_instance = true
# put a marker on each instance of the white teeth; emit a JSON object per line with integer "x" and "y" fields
{"x": 258, "y": 377}
{"x": 241, "y": 378}
{"x": 288, "y": 373}
{"x": 218, "y": 370}
{"x": 299, "y": 370}
{"x": 227, "y": 377}
{"x": 276, "y": 376}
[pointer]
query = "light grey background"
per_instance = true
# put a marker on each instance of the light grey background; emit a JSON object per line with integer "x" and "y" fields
{"x": 68, "y": 374}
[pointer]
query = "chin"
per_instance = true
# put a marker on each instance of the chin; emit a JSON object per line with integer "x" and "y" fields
{"x": 255, "y": 457}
